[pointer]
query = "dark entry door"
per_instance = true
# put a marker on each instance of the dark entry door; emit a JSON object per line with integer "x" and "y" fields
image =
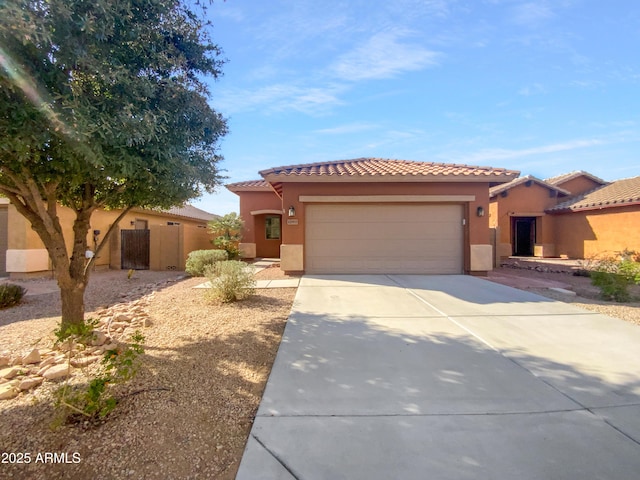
{"x": 135, "y": 249}
{"x": 524, "y": 236}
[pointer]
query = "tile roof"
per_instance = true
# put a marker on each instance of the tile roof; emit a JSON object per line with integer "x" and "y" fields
{"x": 493, "y": 191}
{"x": 397, "y": 169}
{"x": 249, "y": 186}
{"x": 189, "y": 211}
{"x": 565, "y": 177}
{"x": 615, "y": 194}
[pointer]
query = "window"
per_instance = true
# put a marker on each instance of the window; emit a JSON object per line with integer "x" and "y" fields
{"x": 272, "y": 228}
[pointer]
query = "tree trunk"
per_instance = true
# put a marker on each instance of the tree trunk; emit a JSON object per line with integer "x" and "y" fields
{"x": 72, "y": 297}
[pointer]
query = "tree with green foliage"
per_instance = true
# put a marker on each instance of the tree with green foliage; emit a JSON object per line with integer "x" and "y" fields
{"x": 103, "y": 105}
{"x": 227, "y": 233}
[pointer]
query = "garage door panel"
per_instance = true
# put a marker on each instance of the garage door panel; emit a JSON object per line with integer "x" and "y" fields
{"x": 384, "y": 238}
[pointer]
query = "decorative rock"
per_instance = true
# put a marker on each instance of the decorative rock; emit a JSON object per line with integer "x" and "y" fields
{"x": 29, "y": 383}
{"x": 57, "y": 371}
{"x": 32, "y": 357}
{"x": 7, "y": 391}
{"x": 123, "y": 318}
{"x": 119, "y": 325}
{"x": 99, "y": 338}
{"x": 84, "y": 361}
{"x": 16, "y": 360}
{"x": 4, "y": 360}
{"x": 11, "y": 372}
{"x": 43, "y": 370}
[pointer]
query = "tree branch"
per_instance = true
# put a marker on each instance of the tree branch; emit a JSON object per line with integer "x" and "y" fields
{"x": 100, "y": 246}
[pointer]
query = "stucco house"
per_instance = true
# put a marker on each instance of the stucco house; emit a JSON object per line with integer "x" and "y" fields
{"x": 143, "y": 239}
{"x": 599, "y": 221}
{"x": 575, "y": 215}
{"x": 371, "y": 215}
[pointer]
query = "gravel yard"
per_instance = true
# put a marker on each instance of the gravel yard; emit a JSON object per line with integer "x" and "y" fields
{"x": 188, "y": 411}
{"x": 587, "y": 296}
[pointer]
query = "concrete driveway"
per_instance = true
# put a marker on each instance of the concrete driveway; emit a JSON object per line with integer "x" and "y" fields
{"x": 446, "y": 377}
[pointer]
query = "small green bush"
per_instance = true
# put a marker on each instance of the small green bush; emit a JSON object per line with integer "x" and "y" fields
{"x": 612, "y": 285}
{"x": 96, "y": 399}
{"x": 231, "y": 280}
{"x": 199, "y": 259}
{"x": 613, "y": 277}
{"x": 11, "y": 294}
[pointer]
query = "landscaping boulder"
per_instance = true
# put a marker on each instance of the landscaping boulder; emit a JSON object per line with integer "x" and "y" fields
{"x": 29, "y": 383}
{"x": 7, "y": 391}
{"x": 99, "y": 338}
{"x": 32, "y": 357}
{"x": 57, "y": 371}
{"x": 11, "y": 372}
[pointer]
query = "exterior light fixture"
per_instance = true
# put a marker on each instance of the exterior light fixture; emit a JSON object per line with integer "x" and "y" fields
{"x": 292, "y": 211}
{"x": 480, "y": 211}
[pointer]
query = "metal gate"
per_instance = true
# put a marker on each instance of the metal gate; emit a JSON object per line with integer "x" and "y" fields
{"x": 135, "y": 249}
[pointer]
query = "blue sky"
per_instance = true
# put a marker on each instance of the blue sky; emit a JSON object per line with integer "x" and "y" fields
{"x": 544, "y": 87}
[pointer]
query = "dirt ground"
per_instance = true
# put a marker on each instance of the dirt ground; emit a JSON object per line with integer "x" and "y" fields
{"x": 540, "y": 276}
{"x": 187, "y": 413}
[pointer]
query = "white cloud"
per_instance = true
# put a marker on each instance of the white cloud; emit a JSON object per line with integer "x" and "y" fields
{"x": 280, "y": 97}
{"x": 532, "y": 13}
{"x": 534, "y": 89}
{"x": 347, "y": 129}
{"x": 488, "y": 155}
{"x": 383, "y": 56}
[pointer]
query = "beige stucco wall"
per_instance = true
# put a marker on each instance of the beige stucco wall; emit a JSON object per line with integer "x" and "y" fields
{"x": 593, "y": 233}
{"x": 25, "y": 247}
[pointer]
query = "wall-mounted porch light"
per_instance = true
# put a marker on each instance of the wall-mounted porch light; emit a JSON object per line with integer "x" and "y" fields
{"x": 480, "y": 211}
{"x": 292, "y": 211}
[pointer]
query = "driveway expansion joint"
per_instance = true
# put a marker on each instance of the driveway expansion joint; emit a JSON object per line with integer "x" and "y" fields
{"x": 276, "y": 457}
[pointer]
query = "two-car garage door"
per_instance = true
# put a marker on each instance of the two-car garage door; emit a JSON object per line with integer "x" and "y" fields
{"x": 387, "y": 238}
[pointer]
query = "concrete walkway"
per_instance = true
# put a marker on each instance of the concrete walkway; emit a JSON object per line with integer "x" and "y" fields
{"x": 446, "y": 377}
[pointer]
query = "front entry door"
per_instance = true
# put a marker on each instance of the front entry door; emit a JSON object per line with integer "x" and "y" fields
{"x": 524, "y": 236}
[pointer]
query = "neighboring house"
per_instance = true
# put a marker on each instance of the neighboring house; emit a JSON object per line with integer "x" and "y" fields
{"x": 143, "y": 239}
{"x": 576, "y": 182}
{"x": 603, "y": 220}
{"x": 371, "y": 216}
{"x": 575, "y": 215}
{"x": 517, "y": 213}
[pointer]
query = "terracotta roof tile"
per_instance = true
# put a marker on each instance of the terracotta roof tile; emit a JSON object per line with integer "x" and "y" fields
{"x": 565, "y": 177}
{"x": 186, "y": 211}
{"x": 616, "y": 194}
{"x": 493, "y": 191}
{"x": 249, "y": 186}
{"x": 377, "y": 167}
{"x": 189, "y": 211}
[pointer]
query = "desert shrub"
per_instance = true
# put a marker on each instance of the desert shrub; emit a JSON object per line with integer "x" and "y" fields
{"x": 11, "y": 294}
{"x": 231, "y": 280}
{"x": 613, "y": 275}
{"x": 612, "y": 286}
{"x": 227, "y": 232}
{"x": 199, "y": 259}
{"x": 96, "y": 399}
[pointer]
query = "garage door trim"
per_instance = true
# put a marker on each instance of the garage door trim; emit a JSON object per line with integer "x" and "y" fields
{"x": 428, "y": 239}
{"x": 386, "y": 198}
